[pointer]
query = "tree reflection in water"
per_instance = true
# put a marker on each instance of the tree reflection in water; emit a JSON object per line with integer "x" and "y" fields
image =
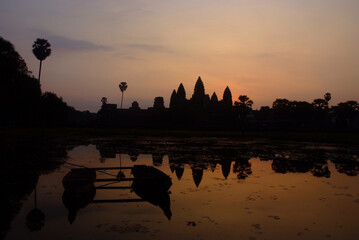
{"x": 23, "y": 164}
{"x": 35, "y": 220}
{"x": 285, "y": 159}
{"x": 242, "y": 168}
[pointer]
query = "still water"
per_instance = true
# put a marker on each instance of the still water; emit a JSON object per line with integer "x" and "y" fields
{"x": 219, "y": 189}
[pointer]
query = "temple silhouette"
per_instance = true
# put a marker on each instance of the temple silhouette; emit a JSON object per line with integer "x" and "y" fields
{"x": 205, "y": 112}
{"x": 200, "y": 111}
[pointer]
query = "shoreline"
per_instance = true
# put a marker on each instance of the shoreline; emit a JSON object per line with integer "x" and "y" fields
{"x": 56, "y": 134}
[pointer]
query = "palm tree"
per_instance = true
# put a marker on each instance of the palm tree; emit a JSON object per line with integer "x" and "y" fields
{"x": 244, "y": 105}
{"x": 104, "y": 100}
{"x": 41, "y": 49}
{"x": 327, "y": 98}
{"x": 123, "y": 86}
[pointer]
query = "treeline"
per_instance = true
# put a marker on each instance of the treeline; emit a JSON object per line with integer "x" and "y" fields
{"x": 22, "y": 102}
{"x": 317, "y": 115}
{"x": 283, "y": 115}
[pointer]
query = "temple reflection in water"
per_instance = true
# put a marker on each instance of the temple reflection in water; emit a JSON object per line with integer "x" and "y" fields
{"x": 200, "y": 157}
{"x": 198, "y": 164}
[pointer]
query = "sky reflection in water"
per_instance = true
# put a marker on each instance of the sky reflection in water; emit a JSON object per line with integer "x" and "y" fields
{"x": 228, "y": 195}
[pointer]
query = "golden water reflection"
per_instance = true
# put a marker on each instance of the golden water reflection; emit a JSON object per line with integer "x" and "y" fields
{"x": 232, "y": 194}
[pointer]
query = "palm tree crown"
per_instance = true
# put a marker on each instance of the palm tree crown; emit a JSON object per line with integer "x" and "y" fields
{"x": 104, "y": 100}
{"x": 123, "y": 86}
{"x": 41, "y": 49}
{"x": 244, "y": 105}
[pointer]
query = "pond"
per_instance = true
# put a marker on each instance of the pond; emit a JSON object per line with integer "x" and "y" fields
{"x": 217, "y": 188}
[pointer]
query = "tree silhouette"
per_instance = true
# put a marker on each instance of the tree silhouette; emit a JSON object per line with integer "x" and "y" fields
{"x": 327, "y": 97}
{"x": 242, "y": 168}
{"x": 244, "y": 105}
{"x": 320, "y": 104}
{"x": 346, "y": 111}
{"x": 123, "y": 86}
{"x": 41, "y": 49}
{"x": 20, "y": 92}
{"x": 54, "y": 109}
{"x": 281, "y": 106}
{"x": 11, "y": 63}
{"x": 104, "y": 100}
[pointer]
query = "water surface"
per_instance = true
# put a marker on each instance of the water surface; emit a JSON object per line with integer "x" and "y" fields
{"x": 220, "y": 189}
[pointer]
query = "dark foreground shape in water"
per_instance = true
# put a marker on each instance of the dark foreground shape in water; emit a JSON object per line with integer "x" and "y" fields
{"x": 79, "y": 190}
{"x": 35, "y": 220}
{"x": 152, "y": 185}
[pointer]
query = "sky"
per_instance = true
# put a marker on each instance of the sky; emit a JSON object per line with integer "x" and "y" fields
{"x": 265, "y": 49}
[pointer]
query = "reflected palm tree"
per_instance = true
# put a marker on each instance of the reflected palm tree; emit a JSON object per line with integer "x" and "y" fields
{"x": 321, "y": 171}
{"x": 242, "y": 168}
{"x": 120, "y": 174}
{"x": 133, "y": 156}
{"x": 346, "y": 165}
{"x": 35, "y": 219}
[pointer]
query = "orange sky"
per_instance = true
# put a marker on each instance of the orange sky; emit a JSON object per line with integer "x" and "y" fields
{"x": 265, "y": 49}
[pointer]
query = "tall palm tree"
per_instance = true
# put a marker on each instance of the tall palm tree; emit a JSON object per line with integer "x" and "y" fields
{"x": 104, "y": 100}
{"x": 327, "y": 98}
{"x": 41, "y": 49}
{"x": 244, "y": 105}
{"x": 123, "y": 86}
